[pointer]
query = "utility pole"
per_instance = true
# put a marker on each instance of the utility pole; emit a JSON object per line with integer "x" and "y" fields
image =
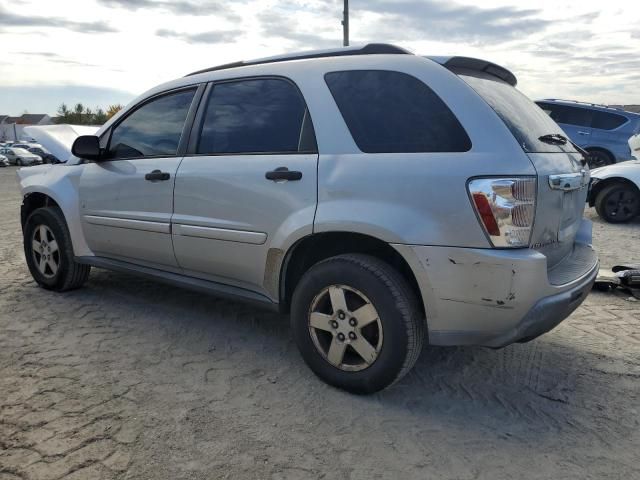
{"x": 345, "y": 24}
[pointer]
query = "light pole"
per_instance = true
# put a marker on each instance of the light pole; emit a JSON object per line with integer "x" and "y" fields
{"x": 345, "y": 24}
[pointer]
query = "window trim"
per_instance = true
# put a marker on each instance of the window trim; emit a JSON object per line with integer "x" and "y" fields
{"x": 198, "y": 123}
{"x": 186, "y": 128}
{"x": 408, "y": 75}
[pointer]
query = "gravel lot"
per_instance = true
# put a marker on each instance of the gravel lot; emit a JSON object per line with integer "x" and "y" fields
{"x": 131, "y": 379}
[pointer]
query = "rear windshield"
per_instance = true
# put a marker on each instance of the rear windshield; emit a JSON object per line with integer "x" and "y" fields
{"x": 526, "y": 120}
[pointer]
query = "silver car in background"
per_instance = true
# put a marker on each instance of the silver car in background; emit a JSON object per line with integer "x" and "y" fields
{"x": 381, "y": 198}
{"x": 20, "y": 156}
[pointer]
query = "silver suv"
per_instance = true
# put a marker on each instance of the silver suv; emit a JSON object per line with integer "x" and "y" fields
{"x": 381, "y": 198}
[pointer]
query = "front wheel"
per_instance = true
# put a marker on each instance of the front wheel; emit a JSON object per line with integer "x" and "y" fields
{"x": 19, "y": 162}
{"x": 618, "y": 203}
{"x": 49, "y": 253}
{"x": 357, "y": 323}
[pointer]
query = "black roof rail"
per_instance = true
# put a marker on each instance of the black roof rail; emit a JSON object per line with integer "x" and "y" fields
{"x": 369, "y": 49}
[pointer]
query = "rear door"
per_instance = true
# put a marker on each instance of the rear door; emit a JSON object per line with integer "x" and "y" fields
{"x": 562, "y": 179}
{"x": 248, "y": 181}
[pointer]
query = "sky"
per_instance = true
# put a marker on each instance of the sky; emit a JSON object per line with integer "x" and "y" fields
{"x": 101, "y": 52}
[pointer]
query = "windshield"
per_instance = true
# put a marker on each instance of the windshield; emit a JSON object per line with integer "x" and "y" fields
{"x": 526, "y": 121}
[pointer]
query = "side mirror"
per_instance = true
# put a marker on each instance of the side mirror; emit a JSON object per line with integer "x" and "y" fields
{"x": 87, "y": 147}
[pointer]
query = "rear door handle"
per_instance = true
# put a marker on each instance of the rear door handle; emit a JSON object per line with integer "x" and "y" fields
{"x": 283, "y": 173}
{"x": 157, "y": 175}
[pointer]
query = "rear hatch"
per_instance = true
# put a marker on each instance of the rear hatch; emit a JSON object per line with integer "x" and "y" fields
{"x": 562, "y": 179}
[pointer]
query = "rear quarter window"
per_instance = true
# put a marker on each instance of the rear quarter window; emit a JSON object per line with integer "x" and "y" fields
{"x": 393, "y": 112}
{"x": 608, "y": 121}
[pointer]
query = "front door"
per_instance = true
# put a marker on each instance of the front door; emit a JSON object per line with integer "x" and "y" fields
{"x": 127, "y": 199}
{"x": 248, "y": 182}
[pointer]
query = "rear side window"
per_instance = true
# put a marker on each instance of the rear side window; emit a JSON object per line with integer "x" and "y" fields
{"x": 256, "y": 116}
{"x": 392, "y": 112}
{"x": 154, "y": 129}
{"x": 526, "y": 121}
{"x": 608, "y": 121}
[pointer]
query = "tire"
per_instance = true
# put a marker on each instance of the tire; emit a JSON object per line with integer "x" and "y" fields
{"x": 395, "y": 336}
{"x": 42, "y": 228}
{"x": 599, "y": 158}
{"x": 19, "y": 162}
{"x": 618, "y": 203}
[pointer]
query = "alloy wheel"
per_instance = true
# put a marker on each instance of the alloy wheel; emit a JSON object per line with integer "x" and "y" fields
{"x": 345, "y": 328}
{"x": 622, "y": 205}
{"x": 45, "y": 250}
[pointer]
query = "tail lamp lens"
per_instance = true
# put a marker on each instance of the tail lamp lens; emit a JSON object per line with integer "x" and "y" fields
{"x": 506, "y": 208}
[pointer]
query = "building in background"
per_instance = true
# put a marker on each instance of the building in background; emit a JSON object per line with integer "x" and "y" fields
{"x": 11, "y": 128}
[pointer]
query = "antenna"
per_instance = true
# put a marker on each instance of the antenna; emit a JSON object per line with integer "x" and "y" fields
{"x": 345, "y": 24}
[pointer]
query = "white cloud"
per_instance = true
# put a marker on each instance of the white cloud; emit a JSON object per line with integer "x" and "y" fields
{"x": 587, "y": 51}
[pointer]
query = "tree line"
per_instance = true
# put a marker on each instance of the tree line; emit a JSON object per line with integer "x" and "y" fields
{"x": 81, "y": 115}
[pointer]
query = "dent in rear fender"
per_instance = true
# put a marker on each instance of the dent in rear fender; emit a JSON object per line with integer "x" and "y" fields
{"x": 61, "y": 184}
{"x": 476, "y": 289}
{"x": 297, "y": 226}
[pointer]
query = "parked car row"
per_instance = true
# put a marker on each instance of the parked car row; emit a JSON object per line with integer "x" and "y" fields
{"x": 20, "y": 156}
{"x": 24, "y": 153}
{"x": 610, "y": 135}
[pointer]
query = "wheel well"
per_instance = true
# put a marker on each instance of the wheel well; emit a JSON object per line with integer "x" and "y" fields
{"x": 33, "y": 201}
{"x": 315, "y": 248}
{"x": 611, "y": 156}
{"x": 598, "y": 187}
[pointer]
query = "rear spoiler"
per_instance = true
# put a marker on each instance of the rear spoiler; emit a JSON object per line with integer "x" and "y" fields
{"x": 477, "y": 65}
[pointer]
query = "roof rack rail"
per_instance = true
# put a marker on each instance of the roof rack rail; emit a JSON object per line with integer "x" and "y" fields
{"x": 369, "y": 49}
{"x": 582, "y": 103}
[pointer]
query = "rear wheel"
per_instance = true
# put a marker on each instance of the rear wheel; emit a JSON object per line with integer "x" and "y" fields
{"x": 49, "y": 253}
{"x": 357, "y": 323}
{"x": 599, "y": 158}
{"x": 19, "y": 162}
{"x": 618, "y": 203}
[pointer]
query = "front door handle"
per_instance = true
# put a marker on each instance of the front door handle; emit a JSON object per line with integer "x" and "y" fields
{"x": 583, "y": 133}
{"x": 156, "y": 176}
{"x": 283, "y": 173}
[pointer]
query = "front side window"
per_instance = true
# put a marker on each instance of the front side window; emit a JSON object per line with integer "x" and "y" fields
{"x": 392, "y": 112}
{"x": 256, "y": 116}
{"x": 154, "y": 129}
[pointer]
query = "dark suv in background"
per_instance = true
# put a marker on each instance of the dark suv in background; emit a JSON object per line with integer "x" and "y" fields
{"x": 603, "y": 131}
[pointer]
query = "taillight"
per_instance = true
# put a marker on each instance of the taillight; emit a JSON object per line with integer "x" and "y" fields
{"x": 506, "y": 208}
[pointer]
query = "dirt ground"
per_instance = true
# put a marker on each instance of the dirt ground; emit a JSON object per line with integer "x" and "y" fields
{"x": 130, "y": 379}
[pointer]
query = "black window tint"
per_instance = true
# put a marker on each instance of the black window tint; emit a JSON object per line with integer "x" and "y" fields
{"x": 580, "y": 117}
{"x": 526, "y": 121}
{"x": 153, "y": 129}
{"x": 254, "y": 116}
{"x": 607, "y": 121}
{"x": 390, "y": 112}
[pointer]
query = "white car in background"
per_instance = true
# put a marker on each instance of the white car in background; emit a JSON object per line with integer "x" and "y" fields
{"x": 634, "y": 145}
{"x": 615, "y": 190}
{"x": 4, "y": 161}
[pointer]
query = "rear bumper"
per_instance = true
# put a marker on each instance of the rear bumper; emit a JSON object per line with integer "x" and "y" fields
{"x": 497, "y": 297}
{"x": 544, "y": 316}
